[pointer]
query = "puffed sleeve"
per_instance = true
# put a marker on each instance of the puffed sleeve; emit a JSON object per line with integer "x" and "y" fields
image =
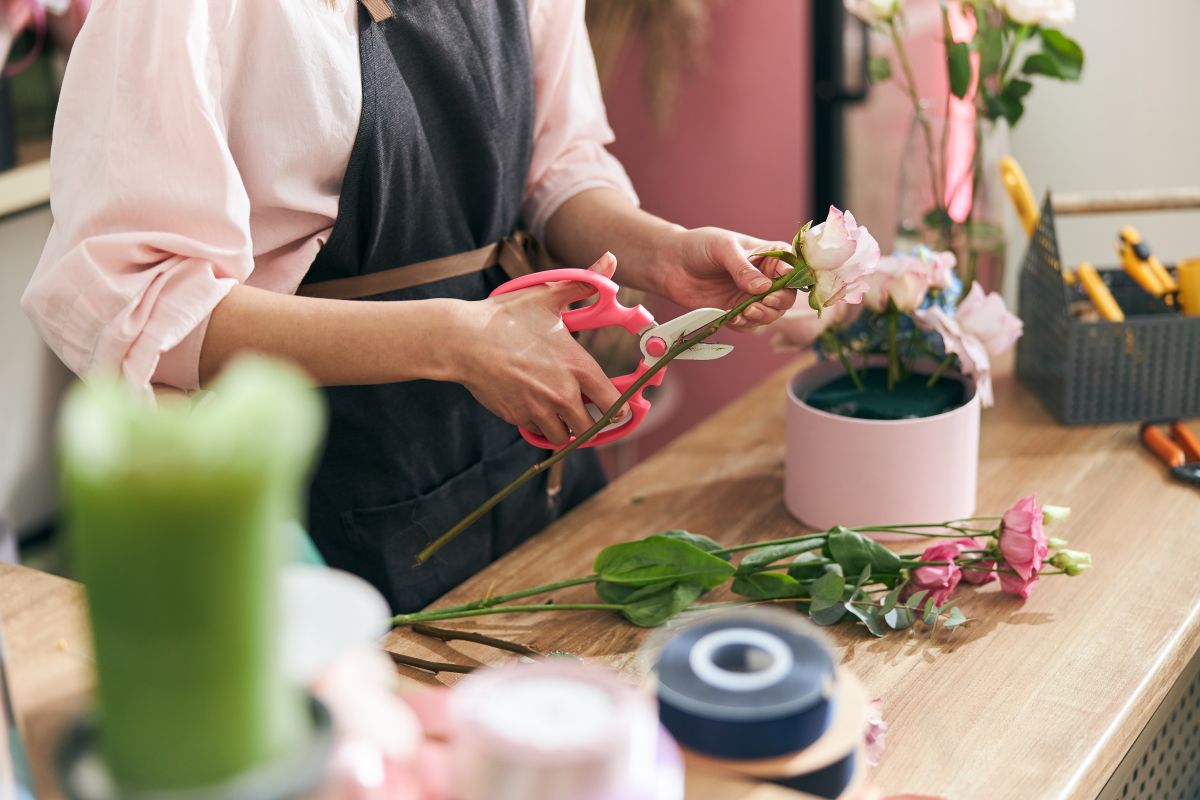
{"x": 570, "y": 123}
{"x": 151, "y": 219}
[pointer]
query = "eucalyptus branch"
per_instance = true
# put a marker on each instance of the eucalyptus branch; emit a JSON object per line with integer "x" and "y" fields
{"x": 681, "y": 346}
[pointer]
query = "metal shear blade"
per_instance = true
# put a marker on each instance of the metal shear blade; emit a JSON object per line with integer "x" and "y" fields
{"x": 656, "y": 339}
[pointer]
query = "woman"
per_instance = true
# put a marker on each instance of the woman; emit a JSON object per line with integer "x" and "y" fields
{"x": 228, "y": 174}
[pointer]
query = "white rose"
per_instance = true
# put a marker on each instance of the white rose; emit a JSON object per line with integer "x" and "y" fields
{"x": 873, "y": 11}
{"x": 1038, "y": 12}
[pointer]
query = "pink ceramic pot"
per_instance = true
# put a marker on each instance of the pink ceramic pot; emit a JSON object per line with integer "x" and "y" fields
{"x": 846, "y": 471}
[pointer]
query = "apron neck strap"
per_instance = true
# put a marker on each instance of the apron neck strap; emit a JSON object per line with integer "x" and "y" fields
{"x": 378, "y": 9}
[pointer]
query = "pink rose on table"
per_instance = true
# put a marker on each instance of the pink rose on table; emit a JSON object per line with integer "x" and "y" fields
{"x": 903, "y": 280}
{"x": 800, "y": 326}
{"x": 1015, "y": 584}
{"x": 940, "y": 581}
{"x": 840, "y": 252}
{"x": 980, "y": 572}
{"x": 1023, "y": 541}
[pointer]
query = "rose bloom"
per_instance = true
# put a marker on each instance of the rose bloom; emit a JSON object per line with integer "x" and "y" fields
{"x": 941, "y": 267}
{"x": 939, "y": 581}
{"x": 1015, "y": 584}
{"x": 840, "y": 253}
{"x": 904, "y": 280}
{"x": 980, "y": 572}
{"x": 1023, "y": 540}
{"x": 1039, "y": 12}
{"x": 872, "y": 11}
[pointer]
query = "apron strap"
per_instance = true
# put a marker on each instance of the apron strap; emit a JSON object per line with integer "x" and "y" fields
{"x": 518, "y": 254}
{"x": 379, "y": 10}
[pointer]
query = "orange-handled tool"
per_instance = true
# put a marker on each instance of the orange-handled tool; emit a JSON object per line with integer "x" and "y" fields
{"x": 1143, "y": 266}
{"x": 1177, "y": 447}
{"x": 1020, "y": 193}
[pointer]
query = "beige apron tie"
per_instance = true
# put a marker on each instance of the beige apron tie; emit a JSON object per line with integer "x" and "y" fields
{"x": 518, "y": 254}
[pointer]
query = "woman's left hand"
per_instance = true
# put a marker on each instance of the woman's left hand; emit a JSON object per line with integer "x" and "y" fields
{"x": 713, "y": 267}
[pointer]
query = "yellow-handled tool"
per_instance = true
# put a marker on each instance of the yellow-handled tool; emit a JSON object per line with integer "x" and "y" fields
{"x": 1098, "y": 292}
{"x": 1020, "y": 193}
{"x": 1144, "y": 267}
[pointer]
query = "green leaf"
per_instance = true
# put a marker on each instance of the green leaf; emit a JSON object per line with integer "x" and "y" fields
{"x": 1017, "y": 88}
{"x": 657, "y": 559}
{"x": 899, "y": 618}
{"x": 802, "y": 278}
{"x": 958, "y": 57}
{"x": 915, "y": 599}
{"x": 854, "y": 551}
{"x": 956, "y": 618}
{"x": 802, "y": 568}
{"x": 654, "y": 605}
{"x": 937, "y": 219}
{"x": 767, "y": 586}
{"x": 828, "y": 587}
{"x": 1064, "y": 51}
{"x": 869, "y": 616}
{"x": 989, "y": 43}
{"x": 879, "y": 68}
{"x": 892, "y": 598}
{"x": 777, "y": 552}
{"x": 703, "y": 542}
{"x": 826, "y": 612}
{"x": 786, "y": 256}
{"x": 863, "y": 577}
{"x": 931, "y": 612}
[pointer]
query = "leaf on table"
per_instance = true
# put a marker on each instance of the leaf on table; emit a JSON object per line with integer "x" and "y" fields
{"x": 853, "y": 551}
{"x": 654, "y": 605}
{"x": 699, "y": 540}
{"x": 899, "y": 618}
{"x": 777, "y": 552}
{"x": 892, "y": 598}
{"x": 807, "y": 567}
{"x": 767, "y": 586}
{"x": 915, "y": 599}
{"x": 826, "y": 612}
{"x": 657, "y": 559}
{"x": 828, "y": 587}
{"x": 869, "y": 616}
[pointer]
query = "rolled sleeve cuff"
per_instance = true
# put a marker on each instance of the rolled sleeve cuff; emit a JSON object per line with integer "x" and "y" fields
{"x": 586, "y": 166}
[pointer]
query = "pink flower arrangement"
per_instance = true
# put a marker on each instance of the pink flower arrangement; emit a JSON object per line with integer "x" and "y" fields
{"x": 901, "y": 281}
{"x": 938, "y": 580}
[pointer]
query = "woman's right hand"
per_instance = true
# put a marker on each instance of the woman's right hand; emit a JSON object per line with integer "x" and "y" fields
{"x": 517, "y": 358}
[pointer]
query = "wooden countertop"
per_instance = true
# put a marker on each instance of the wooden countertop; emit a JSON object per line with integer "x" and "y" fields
{"x": 1039, "y": 699}
{"x": 1036, "y": 699}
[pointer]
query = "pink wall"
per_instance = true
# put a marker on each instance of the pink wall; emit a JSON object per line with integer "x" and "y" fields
{"x": 735, "y": 155}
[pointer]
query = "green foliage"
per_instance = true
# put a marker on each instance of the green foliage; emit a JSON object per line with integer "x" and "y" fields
{"x": 826, "y": 612}
{"x": 803, "y": 567}
{"x": 853, "y": 552}
{"x": 870, "y": 616}
{"x": 989, "y": 43}
{"x": 958, "y": 58}
{"x": 879, "y": 69}
{"x": 653, "y": 605}
{"x": 768, "y": 586}
{"x": 828, "y": 588}
{"x": 703, "y": 542}
{"x": 756, "y": 559}
{"x": 1061, "y": 57}
{"x": 659, "y": 559}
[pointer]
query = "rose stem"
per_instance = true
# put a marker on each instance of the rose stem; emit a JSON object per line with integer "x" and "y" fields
{"x": 938, "y": 372}
{"x": 679, "y": 347}
{"x": 478, "y": 638}
{"x": 434, "y": 616}
{"x": 429, "y": 666}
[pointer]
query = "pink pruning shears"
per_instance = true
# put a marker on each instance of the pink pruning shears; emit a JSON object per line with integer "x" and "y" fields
{"x": 655, "y": 340}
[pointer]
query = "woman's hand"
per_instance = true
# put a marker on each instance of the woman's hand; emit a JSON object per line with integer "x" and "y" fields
{"x": 715, "y": 267}
{"x": 517, "y": 358}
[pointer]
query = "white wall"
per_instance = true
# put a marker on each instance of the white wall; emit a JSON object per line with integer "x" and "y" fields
{"x": 1133, "y": 123}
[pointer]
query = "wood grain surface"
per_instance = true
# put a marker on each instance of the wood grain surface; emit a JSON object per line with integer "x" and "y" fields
{"x": 1031, "y": 700}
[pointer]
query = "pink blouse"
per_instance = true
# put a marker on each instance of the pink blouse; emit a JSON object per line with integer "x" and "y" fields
{"x": 201, "y": 143}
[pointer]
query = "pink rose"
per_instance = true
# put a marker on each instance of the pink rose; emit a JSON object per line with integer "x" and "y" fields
{"x": 940, "y": 581}
{"x": 985, "y": 317}
{"x": 980, "y": 572}
{"x": 941, "y": 268}
{"x": 800, "y": 325}
{"x": 972, "y": 355}
{"x": 1023, "y": 541}
{"x": 904, "y": 280}
{"x": 1015, "y": 584}
{"x": 840, "y": 253}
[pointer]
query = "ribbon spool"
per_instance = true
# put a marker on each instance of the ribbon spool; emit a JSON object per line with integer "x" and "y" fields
{"x": 756, "y": 693}
{"x": 558, "y": 729}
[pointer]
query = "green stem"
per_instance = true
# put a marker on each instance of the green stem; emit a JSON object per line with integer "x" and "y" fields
{"x": 933, "y": 379}
{"x": 768, "y": 543}
{"x": 842, "y": 357}
{"x": 893, "y": 351}
{"x": 919, "y": 111}
{"x": 443, "y": 614}
{"x": 500, "y": 599}
{"x": 680, "y": 346}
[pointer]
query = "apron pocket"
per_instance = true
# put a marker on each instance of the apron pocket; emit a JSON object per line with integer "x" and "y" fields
{"x": 389, "y": 538}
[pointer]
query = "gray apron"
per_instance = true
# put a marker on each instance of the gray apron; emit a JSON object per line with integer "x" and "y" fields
{"x": 438, "y": 167}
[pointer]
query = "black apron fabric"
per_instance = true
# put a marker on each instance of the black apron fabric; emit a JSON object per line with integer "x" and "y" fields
{"x": 438, "y": 167}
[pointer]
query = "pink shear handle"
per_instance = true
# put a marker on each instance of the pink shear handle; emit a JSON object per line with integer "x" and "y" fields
{"x": 606, "y": 312}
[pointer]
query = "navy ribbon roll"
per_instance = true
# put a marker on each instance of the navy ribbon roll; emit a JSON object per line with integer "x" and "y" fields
{"x": 828, "y": 781}
{"x": 742, "y": 687}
